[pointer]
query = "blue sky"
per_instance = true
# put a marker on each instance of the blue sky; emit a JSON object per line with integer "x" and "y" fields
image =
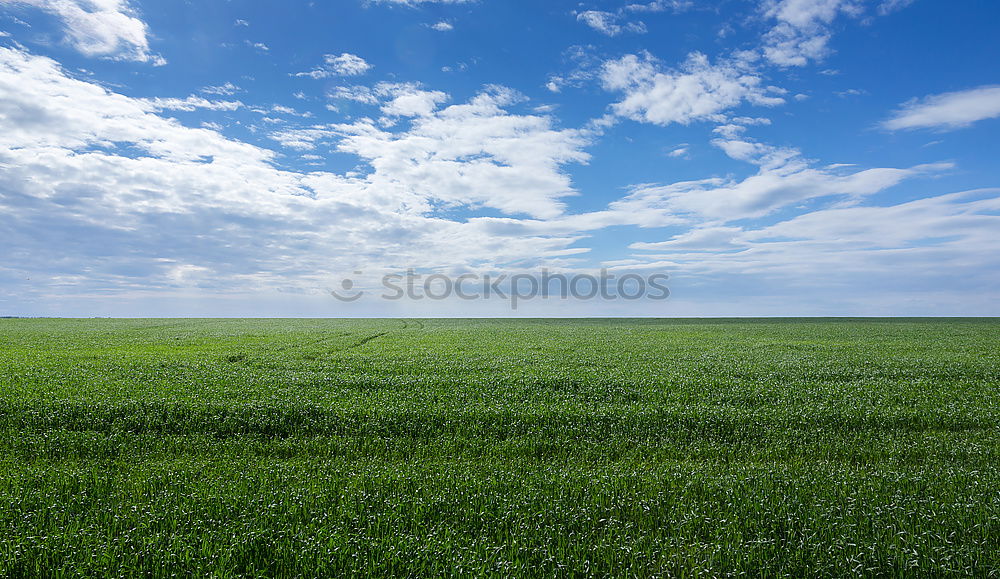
{"x": 238, "y": 158}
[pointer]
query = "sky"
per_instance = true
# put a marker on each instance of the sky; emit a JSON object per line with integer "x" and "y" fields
{"x": 253, "y": 158}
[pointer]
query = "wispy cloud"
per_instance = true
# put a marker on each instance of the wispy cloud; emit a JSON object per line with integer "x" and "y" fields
{"x": 419, "y": 2}
{"x": 608, "y": 22}
{"x": 890, "y": 6}
{"x": 847, "y": 249}
{"x": 225, "y": 89}
{"x": 396, "y": 99}
{"x": 190, "y": 103}
{"x": 947, "y": 111}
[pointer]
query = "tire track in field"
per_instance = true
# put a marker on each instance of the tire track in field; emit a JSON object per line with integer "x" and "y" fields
{"x": 365, "y": 340}
{"x": 303, "y": 345}
{"x": 407, "y": 324}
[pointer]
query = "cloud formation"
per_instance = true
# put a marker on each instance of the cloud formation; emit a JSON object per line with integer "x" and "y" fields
{"x": 100, "y": 193}
{"x": 104, "y": 193}
{"x": 698, "y": 91}
{"x": 948, "y": 111}
{"x": 103, "y": 28}
{"x": 607, "y": 23}
{"x": 345, "y": 64}
{"x": 802, "y": 33}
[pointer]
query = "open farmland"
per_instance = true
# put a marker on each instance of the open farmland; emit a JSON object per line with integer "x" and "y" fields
{"x": 499, "y": 447}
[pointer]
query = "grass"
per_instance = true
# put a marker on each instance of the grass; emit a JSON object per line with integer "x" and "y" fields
{"x": 495, "y": 447}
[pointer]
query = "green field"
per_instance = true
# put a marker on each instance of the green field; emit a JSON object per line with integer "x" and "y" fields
{"x": 497, "y": 447}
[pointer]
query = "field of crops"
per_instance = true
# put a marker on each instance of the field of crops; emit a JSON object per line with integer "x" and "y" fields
{"x": 499, "y": 447}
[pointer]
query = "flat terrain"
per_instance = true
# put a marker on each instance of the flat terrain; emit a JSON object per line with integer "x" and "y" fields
{"x": 499, "y": 447}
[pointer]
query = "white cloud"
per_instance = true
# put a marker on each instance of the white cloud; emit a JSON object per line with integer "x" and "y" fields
{"x": 784, "y": 179}
{"x": 105, "y": 28}
{"x": 410, "y": 101}
{"x": 851, "y": 249}
{"x": 475, "y": 154}
{"x": 418, "y": 2}
{"x": 100, "y": 193}
{"x": 660, "y": 6}
{"x": 807, "y": 14}
{"x": 345, "y": 64}
{"x": 890, "y": 6}
{"x": 226, "y": 89}
{"x": 603, "y": 22}
{"x": 681, "y": 151}
{"x": 607, "y": 22}
{"x": 951, "y": 110}
{"x": 395, "y": 99}
{"x": 283, "y": 110}
{"x": 941, "y": 217}
{"x": 802, "y": 30}
{"x": 304, "y": 138}
{"x": 617, "y": 22}
{"x": 190, "y": 103}
{"x": 124, "y": 192}
{"x": 443, "y": 26}
{"x": 46, "y": 109}
{"x": 699, "y": 91}
{"x": 361, "y": 94}
{"x": 771, "y": 189}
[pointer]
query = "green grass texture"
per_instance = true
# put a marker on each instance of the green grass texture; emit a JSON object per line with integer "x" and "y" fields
{"x": 499, "y": 448}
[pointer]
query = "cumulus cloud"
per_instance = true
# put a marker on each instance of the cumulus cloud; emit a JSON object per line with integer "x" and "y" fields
{"x": 698, "y": 91}
{"x": 802, "y": 30}
{"x": 100, "y": 192}
{"x": 345, "y": 64}
{"x": 409, "y": 100}
{"x": 946, "y": 111}
{"x": 104, "y": 28}
{"x": 474, "y": 153}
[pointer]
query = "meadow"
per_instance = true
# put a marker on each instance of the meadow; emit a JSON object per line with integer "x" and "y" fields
{"x": 417, "y": 448}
